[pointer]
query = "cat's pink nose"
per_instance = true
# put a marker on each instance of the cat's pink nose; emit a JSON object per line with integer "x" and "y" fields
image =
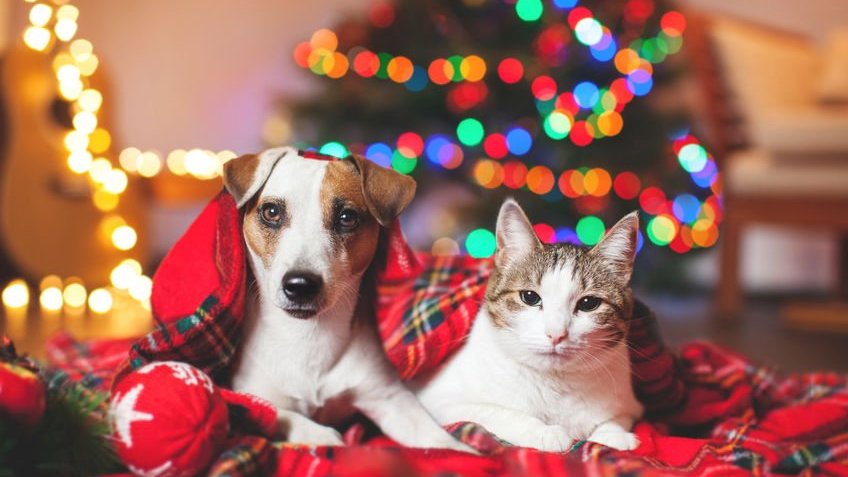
{"x": 557, "y": 338}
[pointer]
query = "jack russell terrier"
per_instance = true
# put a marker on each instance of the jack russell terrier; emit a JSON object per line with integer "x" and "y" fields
{"x": 310, "y": 348}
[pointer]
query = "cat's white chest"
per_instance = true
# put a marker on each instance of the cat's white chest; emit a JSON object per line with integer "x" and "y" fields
{"x": 488, "y": 380}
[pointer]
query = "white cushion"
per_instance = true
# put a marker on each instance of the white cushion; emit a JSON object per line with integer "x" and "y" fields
{"x": 811, "y": 130}
{"x": 765, "y": 69}
{"x": 756, "y": 172}
{"x": 833, "y": 85}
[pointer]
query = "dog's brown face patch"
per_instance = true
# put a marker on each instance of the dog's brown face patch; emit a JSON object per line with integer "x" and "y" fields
{"x": 261, "y": 235}
{"x": 341, "y": 199}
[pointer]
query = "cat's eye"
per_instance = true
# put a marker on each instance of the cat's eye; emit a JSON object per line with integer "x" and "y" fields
{"x": 271, "y": 214}
{"x": 588, "y": 303}
{"x": 529, "y": 297}
{"x": 347, "y": 220}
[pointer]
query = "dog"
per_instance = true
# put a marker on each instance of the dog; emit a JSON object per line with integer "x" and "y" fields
{"x": 310, "y": 348}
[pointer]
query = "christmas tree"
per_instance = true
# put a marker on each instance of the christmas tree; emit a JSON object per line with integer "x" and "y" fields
{"x": 544, "y": 101}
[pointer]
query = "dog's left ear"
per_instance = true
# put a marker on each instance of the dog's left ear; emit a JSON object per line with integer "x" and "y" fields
{"x": 387, "y": 192}
{"x": 245, "y": 175}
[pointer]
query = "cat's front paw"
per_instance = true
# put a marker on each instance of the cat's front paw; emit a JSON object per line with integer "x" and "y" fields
{"x": 619, "y": 440}
{"x": 550, "y": 439}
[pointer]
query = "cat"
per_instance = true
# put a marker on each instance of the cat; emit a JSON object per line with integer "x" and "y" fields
{"x": 546, "y": 362}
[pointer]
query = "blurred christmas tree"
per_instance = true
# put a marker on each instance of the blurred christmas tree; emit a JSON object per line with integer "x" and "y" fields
{"x": 539, "y": 100}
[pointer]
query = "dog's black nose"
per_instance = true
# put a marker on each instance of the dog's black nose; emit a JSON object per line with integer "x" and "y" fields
{"x": 301, "y": 286}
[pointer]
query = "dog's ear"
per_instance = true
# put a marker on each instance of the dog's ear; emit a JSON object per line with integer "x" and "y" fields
{"x": 245, "y": 175}
{"x": 387, "y": 192}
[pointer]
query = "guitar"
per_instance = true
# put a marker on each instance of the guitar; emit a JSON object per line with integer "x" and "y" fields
{"x": 48, "y": 222}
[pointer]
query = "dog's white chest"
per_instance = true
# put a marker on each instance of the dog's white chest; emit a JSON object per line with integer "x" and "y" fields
{"x": 288, "y": 362}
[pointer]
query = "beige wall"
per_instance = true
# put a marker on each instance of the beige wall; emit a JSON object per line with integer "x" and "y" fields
{"x": 198, "y": 73}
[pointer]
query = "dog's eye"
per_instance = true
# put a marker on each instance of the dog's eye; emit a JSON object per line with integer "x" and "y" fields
{"x": 347, "y": 220}
{"x": 588, "y": 303}
{"x": 530, "y": 298}
{"x": 271, "y": 214}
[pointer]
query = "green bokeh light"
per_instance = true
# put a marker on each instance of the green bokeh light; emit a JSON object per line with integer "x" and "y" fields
{"x": 470, "y": 132}
{"x": 529, "y": 10}
{"x": 692, "y": 157}
{"x": 335, "y": 149}
{"x": 557, "y": 125}
{"x": 590, "y": 230}
{"x": 403, "y": 164}
{"x": 480, "y": 243}
{"x": 661, "y": 230}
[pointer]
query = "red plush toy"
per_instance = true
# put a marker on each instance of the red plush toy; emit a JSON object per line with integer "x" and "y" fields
{"x": 169, "y": 420}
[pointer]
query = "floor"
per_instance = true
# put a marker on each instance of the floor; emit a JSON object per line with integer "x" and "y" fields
{"x": 758, "y": 332}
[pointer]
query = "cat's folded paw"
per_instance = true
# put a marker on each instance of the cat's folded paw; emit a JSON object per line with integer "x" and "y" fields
{"x": 552, "y": 439}
{"x": 619, "y": 440}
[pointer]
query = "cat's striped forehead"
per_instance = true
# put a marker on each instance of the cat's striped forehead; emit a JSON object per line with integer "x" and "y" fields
{"x": 568, "y": 268}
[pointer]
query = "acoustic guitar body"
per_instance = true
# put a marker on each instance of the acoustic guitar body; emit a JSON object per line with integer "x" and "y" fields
{"x": 48, "y": 222}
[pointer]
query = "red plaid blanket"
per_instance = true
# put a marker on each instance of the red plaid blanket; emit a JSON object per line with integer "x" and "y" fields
{"x": 710, "y": 410}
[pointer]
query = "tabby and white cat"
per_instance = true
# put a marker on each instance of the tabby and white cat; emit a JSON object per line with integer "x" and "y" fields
{"x": 546, "y": 362}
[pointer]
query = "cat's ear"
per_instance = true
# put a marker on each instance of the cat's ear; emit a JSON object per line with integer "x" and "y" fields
{"x": 515, "y": 235}
{"x": 619, "y": 244}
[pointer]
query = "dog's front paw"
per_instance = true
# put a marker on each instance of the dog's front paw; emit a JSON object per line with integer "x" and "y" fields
{"x": 315, "y": 434}
{"x": 619, "y": 440}
{"x": 305, "y": 431}
{"x": 547, "y": 438}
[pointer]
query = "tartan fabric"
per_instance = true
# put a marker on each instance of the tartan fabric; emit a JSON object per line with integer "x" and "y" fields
{"x": 737, "y": 417}
{"x": 746, "y": 420}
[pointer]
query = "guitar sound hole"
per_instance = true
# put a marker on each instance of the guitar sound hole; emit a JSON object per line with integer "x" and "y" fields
{"x": 60, "y": 112}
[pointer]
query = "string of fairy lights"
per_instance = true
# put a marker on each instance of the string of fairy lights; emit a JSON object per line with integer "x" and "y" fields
{"x": 582, "y": 114}
{"x": 52, "y": 31}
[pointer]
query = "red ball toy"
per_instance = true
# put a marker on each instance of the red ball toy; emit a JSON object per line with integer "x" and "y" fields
{"x": 168, "y": 420}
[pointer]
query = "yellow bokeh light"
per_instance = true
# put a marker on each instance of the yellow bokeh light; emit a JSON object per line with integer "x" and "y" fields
{"x": 65, "y": 29}
{"x": 81, "y": 49}
{"x": 128, "y": 158}
{"x": 123, "y": 274}
{"x": 71, "y": 90}
{"x": 100, "y": 300}
{"x": 148, "y": 164}
{"x": 89, "y": 65}
{"x": 51, "y": 298}
{"x": 105, "y": 201}
{"x": 99, "y": 141}
{"x": 116, "y": 181}
{"x": 40, "y": 14}
{"x": 176, "y": 162}
{"x": 80, "y": 162}
{"x": 37, "y": 38}
{"x": 100, "y": 169}
{"x": 76, "y": 141}
{"x": 67, "y": 12}
{"x": 201, "y": 164}
{"x": 85, "y": 121}
{"x": 61, "y": 59}
{"x": 16, "y": 294}
{"x": 141, "y": 287}
{"x": 74, "y": 294}
{"x": 124, "y": 237}
{"x": 90, "y": 100}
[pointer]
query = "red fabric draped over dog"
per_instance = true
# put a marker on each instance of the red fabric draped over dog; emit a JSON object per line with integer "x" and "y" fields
{"x": 741, "y": 418}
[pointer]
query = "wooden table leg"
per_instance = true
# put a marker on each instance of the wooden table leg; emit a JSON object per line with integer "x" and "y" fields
{"x": 729, "y": 294}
